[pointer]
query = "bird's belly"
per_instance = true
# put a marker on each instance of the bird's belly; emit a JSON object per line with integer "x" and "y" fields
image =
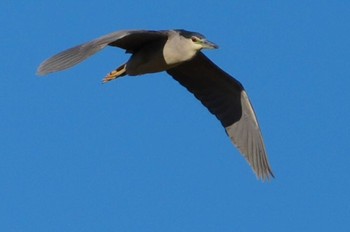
{"x": 148, "y": 60}
{"x": 134, "y": 68}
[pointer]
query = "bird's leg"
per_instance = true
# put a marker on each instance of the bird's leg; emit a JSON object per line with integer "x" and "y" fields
{"x": 119, "y": 72}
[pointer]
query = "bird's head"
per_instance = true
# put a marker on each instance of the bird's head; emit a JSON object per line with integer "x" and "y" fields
{"x": 202, "y": 43}
{"x": 198, "y": 40}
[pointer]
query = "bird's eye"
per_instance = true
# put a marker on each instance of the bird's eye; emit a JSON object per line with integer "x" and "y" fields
{"x": 194, "y": 39}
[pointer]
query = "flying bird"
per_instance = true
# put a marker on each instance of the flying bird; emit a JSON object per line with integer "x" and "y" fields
{"x": 179, "y": 53}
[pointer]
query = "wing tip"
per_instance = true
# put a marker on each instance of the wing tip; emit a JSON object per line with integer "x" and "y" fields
{"x": 41, "y": 71}
{"x": 45, "y": 68}
{"x": 266, "y": 176}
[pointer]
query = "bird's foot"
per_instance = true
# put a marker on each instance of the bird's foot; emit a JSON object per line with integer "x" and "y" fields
{"x": 119, "y": 72}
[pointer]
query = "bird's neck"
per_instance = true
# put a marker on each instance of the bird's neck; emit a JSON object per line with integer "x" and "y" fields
{"x": 179, "y": 51}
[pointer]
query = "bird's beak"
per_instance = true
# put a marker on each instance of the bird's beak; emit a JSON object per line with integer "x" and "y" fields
{"x": 209, "y": 45}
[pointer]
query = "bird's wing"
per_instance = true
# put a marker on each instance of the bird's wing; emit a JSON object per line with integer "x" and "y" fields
{"x": 226, "y": 98}
{"x": 130, "y": 40}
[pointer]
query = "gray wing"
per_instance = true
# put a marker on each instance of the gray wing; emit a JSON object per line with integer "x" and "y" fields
{"x": 226, "y": 98}
{"x": 130, "y": 40}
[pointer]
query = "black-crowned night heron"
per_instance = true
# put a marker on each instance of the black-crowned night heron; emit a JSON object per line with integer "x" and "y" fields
{"x": 178, "y": 52}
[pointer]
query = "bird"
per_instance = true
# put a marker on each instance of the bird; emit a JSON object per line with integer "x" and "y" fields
{"x": 179, "y": 53}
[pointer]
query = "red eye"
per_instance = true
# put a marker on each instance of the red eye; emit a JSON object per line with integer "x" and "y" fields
{"x": 194, "y": 39}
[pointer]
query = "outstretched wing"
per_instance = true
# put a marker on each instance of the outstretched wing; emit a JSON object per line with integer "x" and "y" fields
{"x": 226, "y": 98}
{"x": 130, "y": 40}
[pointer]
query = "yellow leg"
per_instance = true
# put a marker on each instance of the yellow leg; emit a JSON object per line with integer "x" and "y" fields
{"x": 121, "y": 71}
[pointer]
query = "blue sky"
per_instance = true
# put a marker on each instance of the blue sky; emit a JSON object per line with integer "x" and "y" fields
{"x": 141, "y": 153}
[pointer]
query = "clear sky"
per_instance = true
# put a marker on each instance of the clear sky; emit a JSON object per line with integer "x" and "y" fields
{"x": 141, "y": 153}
